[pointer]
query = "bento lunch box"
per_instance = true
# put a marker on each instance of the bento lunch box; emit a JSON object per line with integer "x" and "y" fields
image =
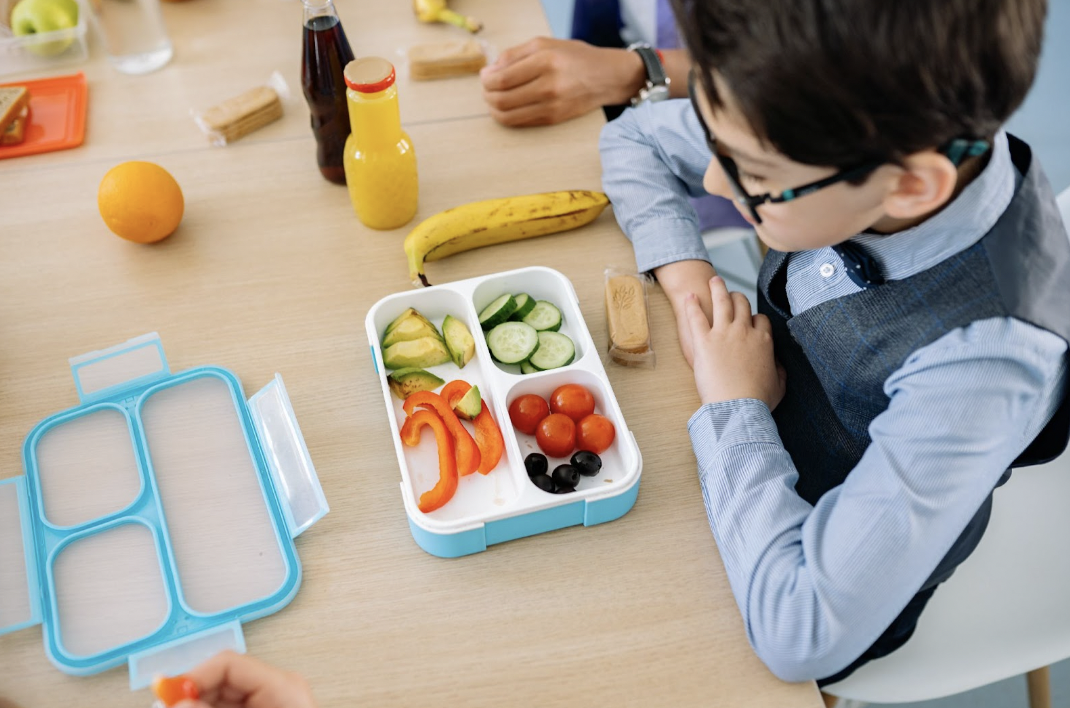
{"x": 156, "y": 516}
{"x": 504, "y": 504}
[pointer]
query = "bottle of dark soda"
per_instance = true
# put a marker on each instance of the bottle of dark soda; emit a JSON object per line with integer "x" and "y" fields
{"x": 326, "y": 53}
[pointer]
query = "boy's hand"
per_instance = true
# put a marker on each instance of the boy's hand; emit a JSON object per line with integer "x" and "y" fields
{"x": 678, "y": 280}
{"x": 733, "y": 358}
{"x": 230, "y": 680}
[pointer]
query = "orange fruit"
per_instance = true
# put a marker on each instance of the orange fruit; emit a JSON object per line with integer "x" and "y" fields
{"x": 140, "y": 201}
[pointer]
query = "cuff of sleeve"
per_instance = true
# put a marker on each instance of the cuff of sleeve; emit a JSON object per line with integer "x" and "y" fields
{"x": 664, "y": 241}
{"x": 736, "y": 422}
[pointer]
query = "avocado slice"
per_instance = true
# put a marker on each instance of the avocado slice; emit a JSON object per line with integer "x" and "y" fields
{"x": 420, "y": 353}
{"x": 470, "y": 404}
{"x": 405, "y": 382}
{"x": 458, "y": 340}
{"x": 408, "y": 313}
{"x": 412, "y": 327}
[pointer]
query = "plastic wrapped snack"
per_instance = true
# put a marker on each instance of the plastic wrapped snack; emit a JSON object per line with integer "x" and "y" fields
{"x": 626, "y": 318}
{"x": 440, "y": 60}
{"x": 241, "y": 115}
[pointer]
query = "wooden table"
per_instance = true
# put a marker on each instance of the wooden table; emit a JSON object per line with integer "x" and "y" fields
{"x": 270, "y": 271}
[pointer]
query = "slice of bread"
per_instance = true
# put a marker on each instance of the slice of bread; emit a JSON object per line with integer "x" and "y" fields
{"x": 12, "y": 100}
{"x": 15, "y": 132}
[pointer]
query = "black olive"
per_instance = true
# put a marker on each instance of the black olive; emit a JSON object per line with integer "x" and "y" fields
{"x": 536, "y": 464}
{"x": 563, "y": 490}
{"x": 566, "y": 476}
{"x": 543, "y": 482}
{"x": 587, "y": 463}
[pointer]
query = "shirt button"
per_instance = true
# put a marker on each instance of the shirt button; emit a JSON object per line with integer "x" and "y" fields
{"x": 827, "y": 269}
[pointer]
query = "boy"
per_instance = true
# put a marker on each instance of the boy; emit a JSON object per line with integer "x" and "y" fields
{"x": 915, "y": 302}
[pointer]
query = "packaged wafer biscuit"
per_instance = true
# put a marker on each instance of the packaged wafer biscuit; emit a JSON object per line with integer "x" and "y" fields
{"x": 626, "y": 318}
{"x": 226, "y": 122}
{"x": 441, "y": 60}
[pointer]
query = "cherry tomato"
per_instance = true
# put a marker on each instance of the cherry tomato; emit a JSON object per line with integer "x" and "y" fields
{"x": 556, "y": 435}
{"x": 595, "y": 433}
{"x": 527, "y": 411}
{"x": 573, "y": 400}
{"x": 171, "y": 691}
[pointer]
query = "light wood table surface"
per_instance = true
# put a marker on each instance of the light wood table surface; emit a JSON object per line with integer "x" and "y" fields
{"x": 271, "y": 271}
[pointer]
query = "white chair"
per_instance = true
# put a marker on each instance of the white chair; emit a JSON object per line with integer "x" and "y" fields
{"x": 1005, "y": 611}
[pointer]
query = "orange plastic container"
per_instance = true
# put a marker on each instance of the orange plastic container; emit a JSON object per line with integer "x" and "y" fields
{"x": 57, "y": 115}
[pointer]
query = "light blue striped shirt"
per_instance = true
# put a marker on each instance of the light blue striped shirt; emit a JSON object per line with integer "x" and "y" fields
{"x": 817, "y": 585}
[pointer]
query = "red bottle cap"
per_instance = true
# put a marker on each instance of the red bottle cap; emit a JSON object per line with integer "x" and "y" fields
{"x": 369, "y": 74}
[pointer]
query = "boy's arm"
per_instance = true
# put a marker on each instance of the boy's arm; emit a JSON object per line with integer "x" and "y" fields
{"x": 817, "y": 585}
{"x": 653, "y": 160}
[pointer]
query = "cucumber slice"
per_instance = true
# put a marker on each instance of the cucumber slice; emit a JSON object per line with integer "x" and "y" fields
{"x": 555, "y": 350}
{"x": 497, "y": 312}
{"x": 544, "y": 317}
{"x": 512, "y": 342}
{"x": 524, "y": 304}
{"x": 527, "y": 368}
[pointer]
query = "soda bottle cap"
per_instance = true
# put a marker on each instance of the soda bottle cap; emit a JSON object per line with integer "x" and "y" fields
{"x": 369, "y": 74}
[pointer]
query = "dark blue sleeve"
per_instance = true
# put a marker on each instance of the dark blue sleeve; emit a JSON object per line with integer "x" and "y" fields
{"x": 597, "y": 22}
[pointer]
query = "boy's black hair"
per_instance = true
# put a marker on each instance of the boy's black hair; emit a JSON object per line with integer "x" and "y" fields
{"x": 841, "y": 82}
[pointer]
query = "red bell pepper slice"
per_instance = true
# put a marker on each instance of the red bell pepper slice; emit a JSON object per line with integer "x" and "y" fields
{"x": 488, "y": 435}
{"x": 446, "y": 487}
{"x": 465, "y": 447}
{"x": 490, "y": 441}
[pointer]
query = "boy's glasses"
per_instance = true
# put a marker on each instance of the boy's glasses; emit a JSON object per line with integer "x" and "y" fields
{"x": 752, "y": 201}
{"x": 956, "y": 150}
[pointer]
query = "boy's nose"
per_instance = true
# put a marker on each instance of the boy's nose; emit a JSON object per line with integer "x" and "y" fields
{"x": 715, "y": 182}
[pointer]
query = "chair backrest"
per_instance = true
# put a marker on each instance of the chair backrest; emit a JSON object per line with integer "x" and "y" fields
{"x": 1001, "y": 614}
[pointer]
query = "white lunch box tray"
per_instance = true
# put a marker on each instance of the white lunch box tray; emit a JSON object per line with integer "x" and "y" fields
{"x": 505, "y": 504}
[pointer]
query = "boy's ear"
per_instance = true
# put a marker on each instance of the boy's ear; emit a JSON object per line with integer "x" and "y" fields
{"x": 925, "y": 183}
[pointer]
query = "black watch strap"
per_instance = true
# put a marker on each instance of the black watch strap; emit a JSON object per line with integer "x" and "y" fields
{"x": 655, "y": 72}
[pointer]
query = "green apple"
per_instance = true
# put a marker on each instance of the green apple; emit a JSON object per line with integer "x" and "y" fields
{"x": 30, "y": 17}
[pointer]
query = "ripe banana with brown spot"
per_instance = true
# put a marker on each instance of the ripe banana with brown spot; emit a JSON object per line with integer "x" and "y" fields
{"x": 497, "y": 221}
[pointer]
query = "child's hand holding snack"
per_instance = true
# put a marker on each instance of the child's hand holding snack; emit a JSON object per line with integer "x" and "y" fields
{"x": 230, "y": 680}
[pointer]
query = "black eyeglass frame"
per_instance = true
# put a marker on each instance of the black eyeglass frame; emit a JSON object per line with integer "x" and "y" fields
{"x": 956, "y": 150}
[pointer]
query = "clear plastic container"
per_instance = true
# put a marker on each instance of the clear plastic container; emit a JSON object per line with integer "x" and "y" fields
{"x": 42, "y": 50}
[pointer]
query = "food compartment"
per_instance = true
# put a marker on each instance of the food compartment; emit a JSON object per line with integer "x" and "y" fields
{"x": 109, "y": 589}
{"x": 620, "y": 461}
{"x": 86, "y": 468}
{"x": 477, "y": 494}
{"x": 42, "y": 50}
{"x": 541, "y": 285}
{"x": 209, "y": 487}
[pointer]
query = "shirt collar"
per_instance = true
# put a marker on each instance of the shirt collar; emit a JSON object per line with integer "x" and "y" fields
{"x": 961, "y": 224}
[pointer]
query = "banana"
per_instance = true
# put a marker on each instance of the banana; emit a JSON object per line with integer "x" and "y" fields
{"x": 496, "y": 221}
{"x": 436, "y": 11}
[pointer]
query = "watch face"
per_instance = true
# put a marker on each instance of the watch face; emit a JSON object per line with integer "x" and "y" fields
{"x": 657, "y": 93}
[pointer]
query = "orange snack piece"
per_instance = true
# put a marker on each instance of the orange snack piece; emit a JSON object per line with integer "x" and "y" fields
{"x": 171, "y": 691}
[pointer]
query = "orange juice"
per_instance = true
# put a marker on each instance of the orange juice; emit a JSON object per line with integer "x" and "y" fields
{"x": 380, "y": 163}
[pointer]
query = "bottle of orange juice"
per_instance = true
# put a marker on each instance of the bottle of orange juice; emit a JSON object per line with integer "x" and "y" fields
{"x": 380, "y": 163}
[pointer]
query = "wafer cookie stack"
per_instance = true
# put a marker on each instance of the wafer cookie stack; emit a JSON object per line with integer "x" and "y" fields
{"x": 241, "y": 115}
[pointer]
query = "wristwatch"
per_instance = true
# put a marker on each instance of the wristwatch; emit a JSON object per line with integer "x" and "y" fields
{"x": 657, "y": 83}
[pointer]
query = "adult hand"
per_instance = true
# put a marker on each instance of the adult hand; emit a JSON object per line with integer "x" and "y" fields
{"x": 733, "y": 356}
{"x": 547, "y": 81}
{"x": 230, "y": 680}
